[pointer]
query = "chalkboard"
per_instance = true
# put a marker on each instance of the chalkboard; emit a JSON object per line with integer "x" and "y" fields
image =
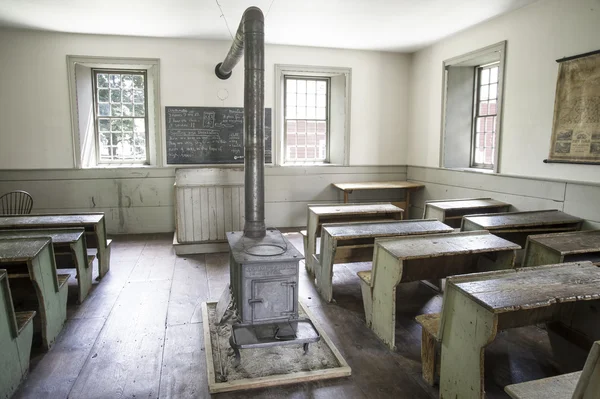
{"x": 209, "y": 135}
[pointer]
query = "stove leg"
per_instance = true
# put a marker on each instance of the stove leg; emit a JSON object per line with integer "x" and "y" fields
{"x": 236, "y": 352}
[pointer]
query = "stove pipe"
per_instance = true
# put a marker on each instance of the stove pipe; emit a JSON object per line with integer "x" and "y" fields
{"x": 251, "y": 36}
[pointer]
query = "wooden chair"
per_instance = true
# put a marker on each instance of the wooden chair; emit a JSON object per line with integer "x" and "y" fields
{"x": 583, "y": 384}
{"x": 16, "y": 203}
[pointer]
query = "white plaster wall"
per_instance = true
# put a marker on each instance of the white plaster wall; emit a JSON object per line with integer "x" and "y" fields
{"x": 537, "y": 35}
{"x": 35, "y": 126}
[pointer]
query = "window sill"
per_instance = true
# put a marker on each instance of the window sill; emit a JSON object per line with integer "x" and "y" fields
{"x": 119, "y": 166}
{"x": 474, "y": 170}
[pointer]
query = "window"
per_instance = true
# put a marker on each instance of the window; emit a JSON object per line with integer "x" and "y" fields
{"x": 312, "y": 115}
{"x": 471, "y": 126}
{"x": 115, "y": 111}
{"x": 306, "y": 120}
{"x": 486, "y": 113}
{"x": 120, "y": 115}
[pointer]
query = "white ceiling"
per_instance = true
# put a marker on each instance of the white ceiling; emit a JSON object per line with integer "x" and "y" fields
{"x": 394, "y": 25}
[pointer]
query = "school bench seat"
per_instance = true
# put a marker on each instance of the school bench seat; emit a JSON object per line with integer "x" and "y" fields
{"x": 16, "y": 334}
{"x": 583, "y": 384}
{"x": 430, "y": 325}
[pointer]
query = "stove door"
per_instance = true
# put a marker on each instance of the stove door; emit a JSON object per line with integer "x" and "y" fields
{"x": 272, "y": 299}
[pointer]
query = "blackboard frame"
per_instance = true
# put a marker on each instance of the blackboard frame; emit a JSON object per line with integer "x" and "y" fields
{"x": 209, "y": 135}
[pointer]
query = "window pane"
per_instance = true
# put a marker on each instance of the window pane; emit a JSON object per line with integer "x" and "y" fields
{"x": 104, "y": 125}
{"x": 480, "y": 125}
{"x": 103, "y": 109}
{"x": 138, "y": 96}
{"x": 301, "y": 100}
{"x": 485, "y": 76}
{"x": 479, "y": 156}
{"x": 322, "y": 100}
{"x": 102, "y": 80}
{"x": 301, "y": 126}
{"x": 494, "y": 75}
{"x": 483, "y": 108}
{"x": 301, "y": 86}
{"x": 139, "y": 110}
{"x": 116, "y": 110}
{"x": 494, "y": 91}
{"x": 115, "y": 81}
{"x": 127, "y": 96}
{"x": 139, "y": 125}
{"x": 291, "y": 127}
{"x": 489, "y": 124}
{"x": 115, "y": 96}
{"x": 483, "y": 92}
{"x": 301, "y": 112}
{"x": 115, "y": 125}
{"x": 291, "y": 85}
{"x": 103, "y": 95}
{"x": 311, "y": 113}
{"x": 321, "y": 113}
{"x": 127, "y": 109}
{"x": 311, "y": 100}
{"x": 127, "y": 81}
{"x": 127, "y": 124}
{"x": 311, "y": 87}
{"x": 322, "y": 87}
{"x": 290, "y": 99}
{"x": 290, "y": 112}
{"x": 138, "y": 81}
{"x": 492, "y": 107}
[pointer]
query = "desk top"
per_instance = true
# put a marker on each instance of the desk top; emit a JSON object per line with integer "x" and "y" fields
{"x": 469, "y": 203}
{"x": 354, "y": 209}
{"x": 54, "y": 220}
{"x": 374, "y": 185}
{"x": 521, "y": 219}
{"x": 18, "y": 249}
{"x": 59, "y": 236}
{"x": 385, "y": 228}
{"x": 437, "y": 245}
{"x": 532, "y": 287}
{"x": 575, "y": 242}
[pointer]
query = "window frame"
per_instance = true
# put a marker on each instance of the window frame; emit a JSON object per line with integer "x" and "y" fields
{"x": 155, "y": 152}
{"x": 339, "y": 112}
{"x": 99, "y": 160}
{"x": 476, "y": 101}
{"x": 486, "y": 55}
{"x": 327, "y": 119}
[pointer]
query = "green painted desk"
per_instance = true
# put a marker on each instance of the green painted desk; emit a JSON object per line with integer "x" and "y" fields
{"x": 435, "y": 256}
{"x": 16, "y": 334}
{"x": 69, "y": 250}
{"x": 477, "y": 306}
{"x": 33, "y": 260}
{"x": 353, "y": 242}
{"x": 342, "y": 213}
{"x": 93, "y": 223}
{"x": 547, "y": 249}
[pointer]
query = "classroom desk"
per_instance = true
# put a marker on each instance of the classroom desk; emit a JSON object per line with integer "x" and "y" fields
{"x": 353, "y": 242}
{"x": 342, "y": 213}
{"x": 451, "y": 212}
{"x": 69, "y": 251}
{"x": 16, "y": 334}
{"x": 407, "y": 186}
{"x": 93, "y": 223}
{"x": 477, "y": 306}
{"x": 32, "y": 259}
{"x": 405, "y": 259}
{"x": 547, "y": 249}
{"x": 516, "y": 226}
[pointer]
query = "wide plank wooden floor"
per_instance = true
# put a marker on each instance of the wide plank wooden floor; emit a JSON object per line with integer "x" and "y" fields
{"x": 139, "y": 335}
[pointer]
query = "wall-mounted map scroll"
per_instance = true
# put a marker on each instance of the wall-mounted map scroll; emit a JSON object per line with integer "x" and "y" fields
{"x": 209, "y": 135}
{"x": 576, "y": 128}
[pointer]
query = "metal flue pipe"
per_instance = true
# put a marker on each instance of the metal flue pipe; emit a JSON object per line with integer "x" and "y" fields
{"x": 250, "y": 37}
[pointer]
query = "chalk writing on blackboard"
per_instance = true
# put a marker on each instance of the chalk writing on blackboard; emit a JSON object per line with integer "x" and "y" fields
{"x": 209, "y": 135}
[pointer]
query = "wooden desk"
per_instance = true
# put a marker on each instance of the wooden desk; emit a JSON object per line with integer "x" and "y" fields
{"x": 69, "y": 251}
{"x": 33, "y": 260}
{"x": 451, "y": 212}
{"x": 516, "y": 226}
{"x": 342, "y": 213}
{"x": 353, "y": 242}
{"x": 405, "y": 259}
{"x": 407, "y": 186}
{"x": 16, "y": 334}
{"x": 476, "y": 307}
{"x": 93, "y": 223}
{"x": 547, "y": 249}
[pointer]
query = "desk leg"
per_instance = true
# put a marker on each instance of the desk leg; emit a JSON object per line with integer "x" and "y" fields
{"x": 406, "y": 214}
{"x": 467, "y": 328}
{"x": 345, "y": 197}
{"x": 311, "y": 235}
{"x": 102, "y": 254}
{"x": 324, "y": 272}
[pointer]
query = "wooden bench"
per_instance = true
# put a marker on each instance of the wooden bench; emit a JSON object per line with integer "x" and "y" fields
{"x": 477, "y": 306}
{"x": 430, "y": 365}
{"x": 342, "y": 213}
{"x": 353, "y": 242}
{"x": 452, "y": 211}
{"x": 35, "y": 283}
{"x": 546, "y": 249}
{"x": 16, "y": 335}
{"x": 93, "y": 223}
{"x": 405, "y": 259}
{"x": 583, "y": 384}
{"x": 69, "y": 251}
